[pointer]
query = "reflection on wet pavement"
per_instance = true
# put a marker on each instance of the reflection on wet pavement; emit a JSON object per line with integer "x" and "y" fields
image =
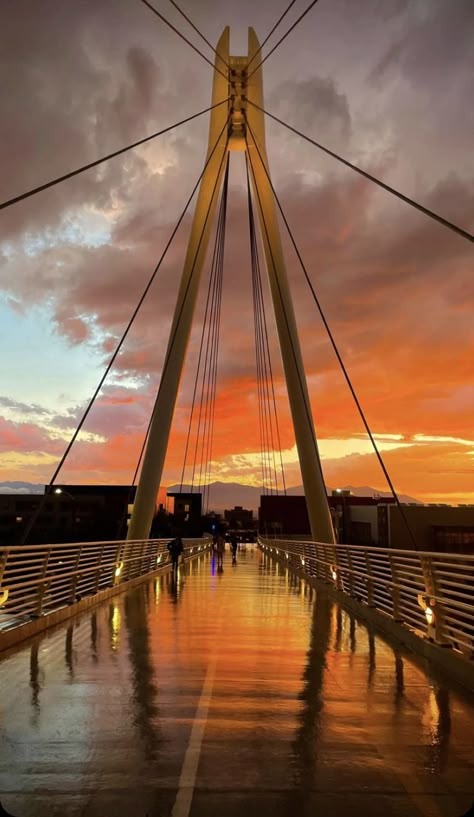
{"x": 305, "y": 711}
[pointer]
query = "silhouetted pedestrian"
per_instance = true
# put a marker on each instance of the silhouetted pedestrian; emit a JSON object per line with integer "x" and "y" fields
{"x": 220, "y": 547}
{"x": 175, "y": 548}
{"x": 234, "y": 543}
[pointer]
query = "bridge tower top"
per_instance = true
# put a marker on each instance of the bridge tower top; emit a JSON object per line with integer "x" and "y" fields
{"x": 236, "y": 124}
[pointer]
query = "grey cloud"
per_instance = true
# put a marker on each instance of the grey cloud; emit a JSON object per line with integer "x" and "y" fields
{"x": 22, "y": 408}
{"x": 436, "y": 42}
{"x": 314, "y": 105}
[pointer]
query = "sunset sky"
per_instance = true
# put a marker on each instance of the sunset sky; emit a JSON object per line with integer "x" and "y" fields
{"x": 387, "y": 83}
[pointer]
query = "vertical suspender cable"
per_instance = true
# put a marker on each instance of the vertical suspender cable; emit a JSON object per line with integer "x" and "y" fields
{"x": 338, "y": 356}
{"x": 264, "y": 365}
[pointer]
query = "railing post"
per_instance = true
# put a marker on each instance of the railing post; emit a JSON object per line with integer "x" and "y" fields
{"x": 351, "y": 575}
{"x": 370, "y": 581}
{"x": 42, "y": 585}
{"x": 396, "y": 600}
{"x": 313, "y": 564}
{"x": 118, "y": 565}
{"x": 75, "y": 577}
{"x": 331, "y": 568}
{"x": 4, "y": 592}
{"x": 98, "y": 570}
{"x": 143, "y": 558}
{"x": 432, "y": 605}
{"x": 3, "y": 562}
{"x": 319, "y": 568}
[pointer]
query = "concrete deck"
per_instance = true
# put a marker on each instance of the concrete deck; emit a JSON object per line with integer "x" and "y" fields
{"x": 234, "y": 693}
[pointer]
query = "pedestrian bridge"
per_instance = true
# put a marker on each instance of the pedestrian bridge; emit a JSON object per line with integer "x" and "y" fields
{"x": 242, "y": 692}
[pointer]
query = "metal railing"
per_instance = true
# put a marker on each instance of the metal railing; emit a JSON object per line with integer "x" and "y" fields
{"x": 431, "y": 593}
{"x": 39, "y": 579}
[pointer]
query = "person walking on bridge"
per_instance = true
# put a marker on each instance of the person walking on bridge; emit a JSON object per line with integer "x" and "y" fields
{"x": 220, "y": 547}
{"x": 234, "y": 544}
{"x": 175, "y": 548}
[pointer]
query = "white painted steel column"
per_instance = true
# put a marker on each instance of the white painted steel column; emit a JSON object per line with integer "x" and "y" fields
{"x": 153, "y": 461}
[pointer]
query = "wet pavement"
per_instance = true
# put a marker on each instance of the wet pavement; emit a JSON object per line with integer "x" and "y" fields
{"x": 233, "y": 693}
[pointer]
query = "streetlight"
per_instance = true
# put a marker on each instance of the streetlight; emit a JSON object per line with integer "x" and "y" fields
{"x": 73, "y": 507}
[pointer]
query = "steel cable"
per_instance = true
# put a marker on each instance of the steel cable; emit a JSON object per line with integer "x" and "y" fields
{"x": 196, "y": 29}
{"x": 280, "y": 20}
{"x": 297, "y": 21}
{"x": 90, "y": 165}
{"x": 211, "y": 405}
{"x": 208, "y": 311}
{"x": 425, "y": 210}
{"x": 261, "y": 330}
{"x": 122, "y": 340}
{"x": 180, "y": 34}
{"x": 336, "y": 350}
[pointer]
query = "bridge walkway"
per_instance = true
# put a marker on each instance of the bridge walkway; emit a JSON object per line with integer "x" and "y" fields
{"x": 234, "y": 693}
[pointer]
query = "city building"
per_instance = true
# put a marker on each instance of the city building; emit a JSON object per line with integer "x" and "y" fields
{"x": 443, "y": 528}
{"x": 239, "y": 517}
{"x": 375, "y": 521}
{"x": 69, "y": 513}
{"x": 187, "y": 513}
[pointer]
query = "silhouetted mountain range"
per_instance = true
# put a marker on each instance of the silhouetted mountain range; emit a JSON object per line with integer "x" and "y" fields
{"x": 21, "y": 488}
{"x": 222, "y": 495}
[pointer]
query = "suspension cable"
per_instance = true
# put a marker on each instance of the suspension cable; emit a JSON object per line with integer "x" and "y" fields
{"x": 266, "y": 345}
{"x": 262, "y": 374}
{"x": 196, "y": 255}
{"x": 277, "y": 281}
{"x": 180, "y": 34}
{"x": 90, "y": 165}
{"x": 366, "y": 175}
{"x": 198, "y": 368}
{"x": 280, "y": 19}
{"x": 196, "y": 29}
{"x": 298, "y": 20}
{"x": 207, "y": 360}
{"x": 208, "y": 310}
{"x": 336, "y": 351}
{"x": 264, "y": 445}
{"x": 210, "y": 440}
{"x": 142, "y": 451}
{"x": 212, "y": 354}
{"x": 122, "y": 340}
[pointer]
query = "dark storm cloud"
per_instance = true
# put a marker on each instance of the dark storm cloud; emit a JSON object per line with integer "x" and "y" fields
{"x": 436, "y": 40}
{"x": 82, "y": 79}
{"x": 313, "y": 105}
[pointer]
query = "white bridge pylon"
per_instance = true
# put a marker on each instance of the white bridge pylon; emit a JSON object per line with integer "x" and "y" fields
{"x": 245, "y": 131}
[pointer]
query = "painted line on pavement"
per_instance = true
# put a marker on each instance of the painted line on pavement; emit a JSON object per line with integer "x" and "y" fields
{"x": 188, "y": 775}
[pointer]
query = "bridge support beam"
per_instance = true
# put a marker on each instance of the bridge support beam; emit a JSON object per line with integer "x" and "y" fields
{"x": 313, "y": 481}
{"x": 153, "y": 461}
{"x": 239, "y": 137}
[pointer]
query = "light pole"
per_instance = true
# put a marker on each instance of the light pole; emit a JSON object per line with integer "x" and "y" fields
{"x": 73, "y": 508}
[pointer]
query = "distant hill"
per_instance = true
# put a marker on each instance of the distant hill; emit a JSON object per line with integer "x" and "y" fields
{"x": 21, "y": 488}
{"x": 222, "y": 495}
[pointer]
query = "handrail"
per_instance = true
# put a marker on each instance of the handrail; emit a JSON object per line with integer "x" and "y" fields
{"x": 38, "y": 579}
{"x": 414, "y": 588}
